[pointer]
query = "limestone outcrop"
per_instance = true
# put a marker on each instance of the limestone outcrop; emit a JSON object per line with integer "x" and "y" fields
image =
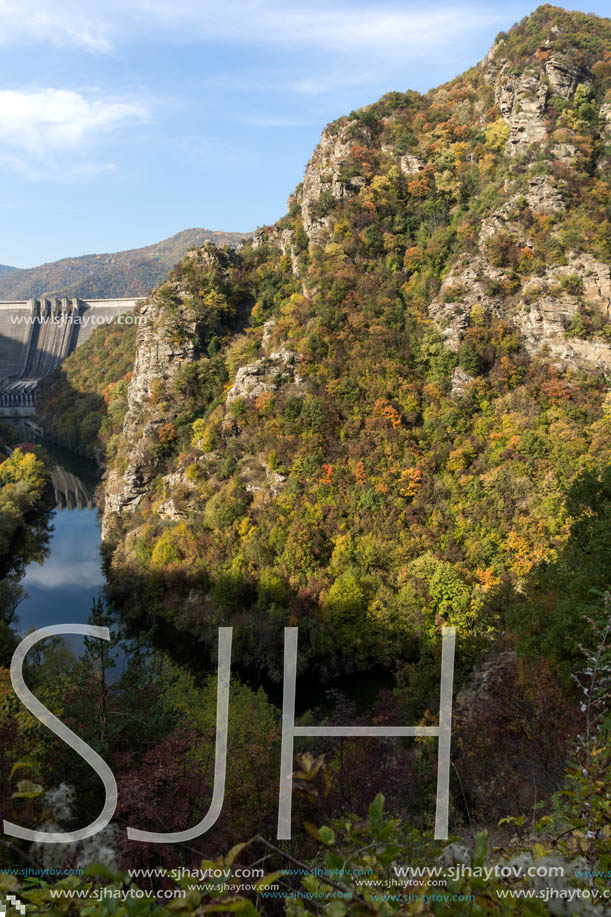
{"x": 324, "y": 179}
{"x": 166, "y": 341}
{"x": 522, "y": 97}
{"x": 158, "y": 357}
{"x": 521, "y": 100}
{"x": 264, "y": 375}
{"x": 467, "y": 285}
{"x": 546, "y": 309}
{"x": 549, "y": 307}
{"x": 564, "y": 77}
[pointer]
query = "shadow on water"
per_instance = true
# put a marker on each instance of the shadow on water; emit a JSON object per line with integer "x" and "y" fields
{"x": 61, "y": 590}
{"x": 362, "y": 688}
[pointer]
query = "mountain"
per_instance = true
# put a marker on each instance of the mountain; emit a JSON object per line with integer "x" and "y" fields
{"x": 387, "y": 413}
{"x": 6, "y": 269}
{"x": 371, "y": 418}
{"x": 130, "y": 273}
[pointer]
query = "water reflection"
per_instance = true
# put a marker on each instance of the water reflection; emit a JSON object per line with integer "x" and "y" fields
{"x": 69, "y": 490}
{"x": 62, "y": 587}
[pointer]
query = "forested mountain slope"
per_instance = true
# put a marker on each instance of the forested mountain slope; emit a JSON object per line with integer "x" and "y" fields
{"x": 387, "y": 412}
{"x": 390, "y": 410}
{"x": 129, "y": 273}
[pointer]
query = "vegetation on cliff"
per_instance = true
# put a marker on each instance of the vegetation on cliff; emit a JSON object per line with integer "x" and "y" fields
{"x": 82, "y": 405}
{"x": 345, "y": 462}
{"x": 387, "y": 413}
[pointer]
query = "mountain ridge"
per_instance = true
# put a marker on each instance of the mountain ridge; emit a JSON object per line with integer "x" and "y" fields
{"x": 389, "y": 442}
{"x": 388, "y": 413}
{"x": 133, "y": 272}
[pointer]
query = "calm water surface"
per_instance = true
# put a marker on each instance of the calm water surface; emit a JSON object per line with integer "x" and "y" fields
{"x": 60, "y": 590}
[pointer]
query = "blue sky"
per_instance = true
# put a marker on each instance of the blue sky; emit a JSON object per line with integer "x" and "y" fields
{"x": 125, "y": 121}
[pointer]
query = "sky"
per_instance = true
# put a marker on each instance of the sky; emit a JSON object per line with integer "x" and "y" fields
{"x": 123, "y": 122}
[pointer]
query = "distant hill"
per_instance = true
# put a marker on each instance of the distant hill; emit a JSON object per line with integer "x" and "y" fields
{"x": 6, "y": 269}
{"x": 129, "y": 273}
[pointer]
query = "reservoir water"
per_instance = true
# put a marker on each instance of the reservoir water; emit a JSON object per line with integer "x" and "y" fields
{"x": 61, "y": 589}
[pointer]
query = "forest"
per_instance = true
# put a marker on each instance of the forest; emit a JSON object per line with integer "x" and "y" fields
{"x": 386, "y": 414}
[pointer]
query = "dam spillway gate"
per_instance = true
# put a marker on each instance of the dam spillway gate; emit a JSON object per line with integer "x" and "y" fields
{"x": 36, "y": 335}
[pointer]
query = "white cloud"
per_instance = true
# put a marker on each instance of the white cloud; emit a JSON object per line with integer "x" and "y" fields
{"x": 387, "y": 28}
{"x": 62, "y": 572}
{"x": 42, "y": 120}
{"x": 63, "y": 23}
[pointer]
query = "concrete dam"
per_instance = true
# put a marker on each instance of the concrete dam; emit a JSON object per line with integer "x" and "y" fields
{"x": 37, "y": 334}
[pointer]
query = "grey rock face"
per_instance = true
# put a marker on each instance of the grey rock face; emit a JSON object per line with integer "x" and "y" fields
{"x": 264, "y": 375}
{"x": 323, "y": 175}
{"x": 522, "y": 97}
{"x": 563, "y": 77}
{"x": 158, "y": 358}
{"x": 521, "y": 100}
{"x": 542, "y": 311}
{"x": 410, "y": 164}
{"x": 460, "y": 381}
{"x": 257, "y": 477}
{"x": 471, "y": 280}
{"x": 543, "y": 320}
{"x": 543, "y": 196}
{"x": 160, "y": 353}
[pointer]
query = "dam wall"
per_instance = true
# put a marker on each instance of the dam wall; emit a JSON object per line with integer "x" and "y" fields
{"x": 14, "y": 336}
{"x": 38, "y": 334}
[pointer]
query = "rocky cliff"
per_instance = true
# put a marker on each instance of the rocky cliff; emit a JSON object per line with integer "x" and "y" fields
{"x": 168, "y": 340}
{"x": 367, "y": 420}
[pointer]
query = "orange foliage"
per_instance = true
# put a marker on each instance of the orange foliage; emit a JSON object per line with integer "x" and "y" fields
{"x": 487, "y": 578}
{"x": 418, "y": 187}
{"x": 327, "y": 474}
{"x": 167, "y": 433}
{"x": 385, "y": 410}
{"x": 556, "y": 389}
{"x": 359, "y": 473}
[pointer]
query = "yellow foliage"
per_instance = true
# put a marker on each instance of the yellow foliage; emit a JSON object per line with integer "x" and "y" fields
{"x": 459, "y": 150}
{"x": 523, "y": 559}
{"x": 411, "y": 480}
{"x": 176, "y": 544}
{"x": 457, "y": 460}
{"x": 336, "y": 252}
{"x": 446, "y": 182}
{"x": 497, "y": 134}
{"x": 487, "y": 163}
{"x": 204, "y": 435}
{"x": 487, "y": 578}
{"x": 478, "y": 314}
{"x": 245, "y": 527}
